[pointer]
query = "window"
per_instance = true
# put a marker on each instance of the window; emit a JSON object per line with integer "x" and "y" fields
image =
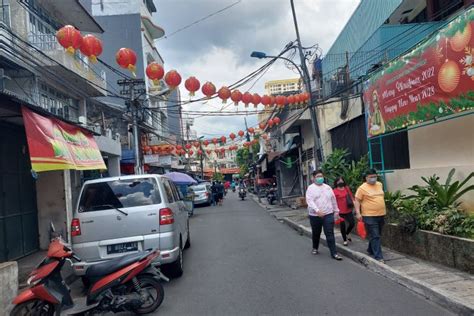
{"x": 58, "y": 103}
{"x": 119, "y": 193}
{"x": 168, "y": 191}
{"x": 175, "y": 192}
{"x": 5, "y": 12}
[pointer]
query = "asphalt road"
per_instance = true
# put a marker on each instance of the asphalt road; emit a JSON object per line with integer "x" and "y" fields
{"x": 244, "y": 262}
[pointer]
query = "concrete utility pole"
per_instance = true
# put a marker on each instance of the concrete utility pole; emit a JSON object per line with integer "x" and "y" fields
{"x": 130, "y": 88}
{"x": 307, "y": 82}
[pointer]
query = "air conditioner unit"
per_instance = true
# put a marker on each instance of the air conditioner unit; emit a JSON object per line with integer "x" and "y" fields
{"x": 82, "y": 120}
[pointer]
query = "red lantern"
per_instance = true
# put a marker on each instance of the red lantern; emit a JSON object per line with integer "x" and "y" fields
{"x": 192, "y": 85}
{"x": 188, "y": 146}
{"x": 155, "y": 72}
{"x": 247, "y": 144}
{"x": 270, "y": 123}
{"x": 254, "y": 141}
{"x": 232, "y": 136}
{"x": 266, "y": 100}
{"x": 222, "y": 150}
{"x": 241, "y": 133}
{"x": 155, "y": 149}
{"x": 191, "y": 152}
{"x": 292, "y": 99}
{"x": 91, "y": 47}
{"x": 262, "y": 126}
{"x": 251, "y": 130}
{"x": 236, "y": 96}
{"x": 247, "y": 98}
{"x": 256, "y": 99}
{"x": 172, "y": 79}
{"x": 179, "y": 147}
{"x": 69, "y": 38}
{"x": 170, "y": 148}
{"x": 281, "y": 100}
{"x": 272, "y": 100}
{"x": 205, "y": 143}
{"x": 196, "y": 144}
{"x": 208, "y": 152}
{"x": 199, "y": 152}
{"x": 276, "y": 120}
{"x": 126, "y": 58}
{"x": 224, "y": 93}
{"x": 215, "y": 141}
{"x": 306, "y": 97}
{"x": 179, "y": 152}
{"x": 223, "y": 139}
{"x": 146, "y": 149}
{"x": 208, "y": 89}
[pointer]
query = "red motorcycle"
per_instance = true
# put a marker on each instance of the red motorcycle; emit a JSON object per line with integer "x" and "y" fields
{"x": 129, "y": 283}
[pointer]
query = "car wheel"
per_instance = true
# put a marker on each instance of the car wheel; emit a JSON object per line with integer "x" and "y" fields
{"x": 188, "y": 242}
{"x": 175, "y": 269}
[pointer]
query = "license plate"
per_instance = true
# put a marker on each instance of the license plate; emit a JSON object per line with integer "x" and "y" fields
{"x": 125, "y": 247}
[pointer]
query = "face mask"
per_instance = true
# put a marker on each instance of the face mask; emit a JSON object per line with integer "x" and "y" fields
{"x": 319, "y": 180}
{"x": 341, "y": 184}
{"x": 372, "y": 180}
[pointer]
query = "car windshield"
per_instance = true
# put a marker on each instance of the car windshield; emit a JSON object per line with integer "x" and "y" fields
{"x": 119, "y": 194}
{"x": 199, "y": 188}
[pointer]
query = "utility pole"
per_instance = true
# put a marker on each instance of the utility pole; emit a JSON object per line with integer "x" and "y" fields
{"x": 130, "y": 88}
{"x": 307, "y": 82}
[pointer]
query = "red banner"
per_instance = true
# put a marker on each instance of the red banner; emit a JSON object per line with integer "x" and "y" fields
{"x": 56, "y": 145}
{"x": 435, "y": 79}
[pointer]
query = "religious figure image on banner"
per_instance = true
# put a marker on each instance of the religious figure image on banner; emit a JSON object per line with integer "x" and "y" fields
{"x": 377, "y": 124}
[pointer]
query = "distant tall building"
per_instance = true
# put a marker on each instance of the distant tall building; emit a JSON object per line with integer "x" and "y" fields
{"x": 282, "y": 86}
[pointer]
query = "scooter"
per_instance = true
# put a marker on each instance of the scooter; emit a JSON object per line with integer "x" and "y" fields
{"x": 129, "y": 283}
{"x": 242, "y": 193}
{"x": 271, "y": 196}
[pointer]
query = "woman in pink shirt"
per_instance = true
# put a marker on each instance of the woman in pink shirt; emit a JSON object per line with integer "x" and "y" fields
{"x": 345, "y": 203}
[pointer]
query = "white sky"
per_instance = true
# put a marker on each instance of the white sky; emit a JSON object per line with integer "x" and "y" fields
{"x": 218, "y": 48}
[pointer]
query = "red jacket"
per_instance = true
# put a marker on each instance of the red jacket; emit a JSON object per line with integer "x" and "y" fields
{"x": 341, "y": 199}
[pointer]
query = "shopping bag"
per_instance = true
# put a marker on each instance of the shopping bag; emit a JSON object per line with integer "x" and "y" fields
{"x": 361, "y": 230}
{"x": 339, "y": 221}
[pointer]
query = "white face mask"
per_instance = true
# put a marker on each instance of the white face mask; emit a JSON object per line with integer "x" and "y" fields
{"x": 372, "y": 180}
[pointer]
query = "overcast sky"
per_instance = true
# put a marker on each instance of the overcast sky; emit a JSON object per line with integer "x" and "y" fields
{"x": 218, "y": 48}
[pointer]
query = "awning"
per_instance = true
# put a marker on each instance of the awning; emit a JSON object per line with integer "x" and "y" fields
{"x": 56, "y": 145}
{"x": 273, "y": 155}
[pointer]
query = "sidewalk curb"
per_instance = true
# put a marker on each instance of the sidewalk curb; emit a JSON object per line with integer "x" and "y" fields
{"x": 422, "y": 288}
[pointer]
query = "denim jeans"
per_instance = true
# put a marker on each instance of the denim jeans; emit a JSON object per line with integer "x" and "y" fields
{"x": 327, "y": 224}
{"x": 374, "y": 226}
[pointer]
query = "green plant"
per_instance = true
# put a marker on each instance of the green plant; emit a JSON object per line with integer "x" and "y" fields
{"x": 217, "y": 176}
{"x": 335, "y": 164}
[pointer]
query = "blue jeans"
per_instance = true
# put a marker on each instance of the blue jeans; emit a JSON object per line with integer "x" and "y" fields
{"x": 374, "y": 226}
{"x": 325, "y": 223}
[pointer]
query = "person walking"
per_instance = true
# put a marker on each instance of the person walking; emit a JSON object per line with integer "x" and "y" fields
{"x": 345, "y": 203}
{"x": 214, "y": 191}
{"x": 220, "y": 193}
{"x": 322, "y": 209}
{"x": 370, "y": 207}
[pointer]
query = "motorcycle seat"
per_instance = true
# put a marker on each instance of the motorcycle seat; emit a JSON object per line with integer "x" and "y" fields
{"x": 110, "y": 266}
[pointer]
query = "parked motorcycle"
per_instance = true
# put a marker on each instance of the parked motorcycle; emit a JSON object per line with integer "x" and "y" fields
{"x": 128, "y": 283}
{"x": 271, "y": 196}
{"x": 242, "y": 193}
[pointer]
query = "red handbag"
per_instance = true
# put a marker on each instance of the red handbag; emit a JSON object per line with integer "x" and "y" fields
{"x": 339, "y": 221}
{"x": 361, "y": 230}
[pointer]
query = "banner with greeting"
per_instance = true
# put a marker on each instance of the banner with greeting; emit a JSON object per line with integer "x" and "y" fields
{"x": 434, "y": 79}
{"x": 56, "y": 145}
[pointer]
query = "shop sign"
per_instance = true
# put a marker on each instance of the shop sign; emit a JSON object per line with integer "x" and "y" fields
{"x": 151, "y": 159}
{"x": 433, "y": 80}
{"x": 56, "y": 145}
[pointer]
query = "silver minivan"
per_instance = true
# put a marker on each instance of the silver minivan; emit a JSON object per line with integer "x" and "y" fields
{"x": 122, "y": 215}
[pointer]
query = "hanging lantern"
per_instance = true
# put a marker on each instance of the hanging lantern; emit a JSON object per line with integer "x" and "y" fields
{"x": 292, "y": 99}
{"x": 265, "y": 136}
{"x": 126, "y": 58}
{"x": 172, "y": 79}
{"x": 196, "y": 144}
{"x": 205, "y": 143}
{"x": 236, "y": 96}
{"x": 192, "y": 85}
{"x": 188, "y": 146}
{"x": 69, "y": 38}
{"x": 179, "y": 147}
{"x": 306, "y": 97}
{"x": 280, "y": 100}
{"x": 199, "y": 152}
{"x": 270, "y": 123}
{"x": 170, "y": 148}
{"x": 232, "y": 136}
{"x": 223, "y": 139}
{"x": 247, "y": 98}
{"x": 256, "y": 99}
{"x": 266, "y": 100}
{"x": 208, "y": 89}
{"x": 91, "y": 47}
{"x": 155, "y": 72}
{"x": 251, "y": 130}
{"x": 272, "y": 100}
{"x": 155, "y": 149}
{"x": 247, "y": 144}
{"x": 179, "y": 152}
{"x": 298, "y": 99}
{"x": 262, "y": 125}
{"x": 224, "y": 93}
{"x": 222, "y": 150}
{"x": 254, "y": 141}
{"x": 146, "y": 149}
{"x": 216, "y": 151}
{"x": 191, "y": 152}
{"x": 208, "y": 152}
{"x": 276, "y": 120}
{"x": 241, "y": 133}
{"x": 215, "y": 141}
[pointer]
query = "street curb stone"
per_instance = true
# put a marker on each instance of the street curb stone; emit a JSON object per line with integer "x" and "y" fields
{"x": 440, "y": 297}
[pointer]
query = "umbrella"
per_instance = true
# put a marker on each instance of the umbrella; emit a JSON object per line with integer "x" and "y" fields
{"x": 180, "y": 178}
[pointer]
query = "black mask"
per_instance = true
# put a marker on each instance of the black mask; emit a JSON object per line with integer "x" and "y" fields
{"x": 341, "y": 184}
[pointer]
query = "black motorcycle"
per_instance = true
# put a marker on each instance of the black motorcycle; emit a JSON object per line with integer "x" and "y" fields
{"x": 271, "y": 196}
{"x": 242, "y": 193}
